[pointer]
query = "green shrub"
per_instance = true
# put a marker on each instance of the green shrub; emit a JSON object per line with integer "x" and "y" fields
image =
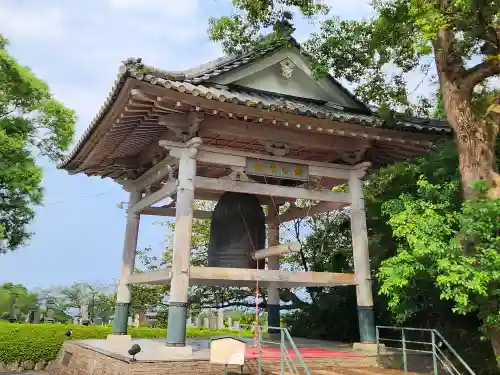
{"x": 37, "y": 342}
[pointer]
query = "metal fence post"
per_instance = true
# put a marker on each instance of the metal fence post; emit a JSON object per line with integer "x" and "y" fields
{"x": 282, "y": 352}
{"x": 405, "y": 363}
{"x": 434, "y": 353}
{"x": 378, "y": 345}
{"x": 259, "y": 348}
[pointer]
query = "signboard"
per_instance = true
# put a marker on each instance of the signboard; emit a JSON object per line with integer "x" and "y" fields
{"x": 275, "y": 169}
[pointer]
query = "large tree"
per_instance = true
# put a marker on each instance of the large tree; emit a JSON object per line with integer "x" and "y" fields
{"x": 16, "y": 299}
{"x": 460, "y": 39}
{"x": 32, "y": 122}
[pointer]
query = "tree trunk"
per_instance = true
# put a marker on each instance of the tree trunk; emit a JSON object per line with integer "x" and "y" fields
{"x": 494, "y": 335}
{"x": 475, "y": 137}
{"x": 475, "y": 133}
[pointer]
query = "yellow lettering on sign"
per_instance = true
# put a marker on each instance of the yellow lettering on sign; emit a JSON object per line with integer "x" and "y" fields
{"x": 272, "y": 168}
{"x": 257, "y": 167}
{"x": 297, "y": 171}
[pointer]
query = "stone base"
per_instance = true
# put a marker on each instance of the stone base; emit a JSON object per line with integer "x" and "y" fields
{"x": 178, "y": 351}
{"x": 119, "y": 339}
{"x": 368, "y": 347}
{"x": 78, "y": 358}
{"x": 102, "y": 357}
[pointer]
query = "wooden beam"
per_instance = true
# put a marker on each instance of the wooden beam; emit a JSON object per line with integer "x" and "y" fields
{"x": 167, "y": 190}
{"x": 215, "y": 155}
{"x": 170, "y": 211}
{"x": 246, "y": 277}
{"x": 276, "y": 250}
{"x": 153, "y": 175}
{"x": 302, "y": 212}
{"x": 216, "y": 125}
{"x": 319, "y": 126}
{"x": 205, "y": 183}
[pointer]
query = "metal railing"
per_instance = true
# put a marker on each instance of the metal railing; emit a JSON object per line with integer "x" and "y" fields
{"x": 291, "y": 359}
{"x": 445, "y": 359}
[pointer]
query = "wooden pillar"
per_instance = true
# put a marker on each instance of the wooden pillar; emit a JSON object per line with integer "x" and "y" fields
{"x": 124, "y": 291}
{"x": 177, "y": 310}
{"x": 273, "y": 263}
{"x": 361, "y": 261}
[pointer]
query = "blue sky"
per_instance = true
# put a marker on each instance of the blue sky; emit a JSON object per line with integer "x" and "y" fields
{"x": 77, "y": 47}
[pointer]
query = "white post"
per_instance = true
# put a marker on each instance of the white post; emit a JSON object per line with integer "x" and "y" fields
{"x": 361, "y": 260}
{"x": 273, "y": 263}
{"x": 177, "y": 312}
{"x": 124, "y": 291}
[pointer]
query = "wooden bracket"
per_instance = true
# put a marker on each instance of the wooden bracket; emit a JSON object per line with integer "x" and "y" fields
{"x": 183, "y": 125}
{"x": 352, "y": 157}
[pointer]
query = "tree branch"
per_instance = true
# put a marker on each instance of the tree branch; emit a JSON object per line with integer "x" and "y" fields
{"x": 288, "y": 296}
{"x": 448, "y": 62}
{"x": 482, "y": 71}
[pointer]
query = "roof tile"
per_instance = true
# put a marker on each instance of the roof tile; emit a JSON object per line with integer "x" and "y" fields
{"x": 194, "y": 81}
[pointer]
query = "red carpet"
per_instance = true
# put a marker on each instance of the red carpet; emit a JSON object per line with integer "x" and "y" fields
{"x": 274, "y": 352}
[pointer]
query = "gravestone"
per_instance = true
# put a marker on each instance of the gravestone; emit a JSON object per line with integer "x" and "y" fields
{"x": 50, "y": 310}
{"x": 199, "y": 321}
{"x": 36, "y": 317}
{"x": 220, "y": 319}
{"x": 213, "y": 322}
{"x": 206, "y": 323}
{"x": 230, "y": 323}
{"x": 31, "y": 316}
{"x": 84, "y": 311}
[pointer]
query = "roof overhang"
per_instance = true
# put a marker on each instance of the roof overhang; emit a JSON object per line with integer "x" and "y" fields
{"x": 122, "y": 141}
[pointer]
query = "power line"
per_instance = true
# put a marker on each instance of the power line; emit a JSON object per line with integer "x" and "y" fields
{"x": 76, "y": 199}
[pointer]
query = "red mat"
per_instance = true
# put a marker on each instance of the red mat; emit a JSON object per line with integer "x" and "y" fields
{"x": 274, "y": 352}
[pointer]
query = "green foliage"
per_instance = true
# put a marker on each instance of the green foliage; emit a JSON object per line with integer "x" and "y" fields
{"x": 399, "y": 39}
{"x": 100, "y": 298}
{"x": 19, "y": 295}
{"x": 459, "y": 250}
{"x": 31, "y": 119}
{"x": 37, "y": 342}
{"x": 241, "y": 31}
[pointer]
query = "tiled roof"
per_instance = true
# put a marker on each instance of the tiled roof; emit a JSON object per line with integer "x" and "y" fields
{"x": 195, "y": 81}
{"x": 205, "y": 71}
{"x": 287, "y": 104}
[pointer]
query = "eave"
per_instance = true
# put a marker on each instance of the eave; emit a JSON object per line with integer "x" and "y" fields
{"x": 138, "y": 99}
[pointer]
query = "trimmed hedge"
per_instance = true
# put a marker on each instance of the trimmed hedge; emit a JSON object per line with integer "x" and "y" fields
{"x": 41, "y": 342}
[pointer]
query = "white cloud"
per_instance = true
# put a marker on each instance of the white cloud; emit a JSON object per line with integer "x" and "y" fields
{"x": 169, "y": 8}
{"x": 31, "y": 22}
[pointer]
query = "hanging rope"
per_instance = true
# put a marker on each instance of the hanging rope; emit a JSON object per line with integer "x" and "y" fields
{"x": 256, "y": 322}
{"x": 276, "y": 209}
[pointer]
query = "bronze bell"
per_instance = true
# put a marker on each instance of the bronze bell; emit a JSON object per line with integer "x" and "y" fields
{"x": 238, "y": 228}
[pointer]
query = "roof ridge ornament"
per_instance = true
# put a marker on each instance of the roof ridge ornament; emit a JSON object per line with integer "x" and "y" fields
{"x": 287, "y": 67}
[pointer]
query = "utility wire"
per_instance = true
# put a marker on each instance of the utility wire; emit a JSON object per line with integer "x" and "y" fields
{"x": 76, "y": 199}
